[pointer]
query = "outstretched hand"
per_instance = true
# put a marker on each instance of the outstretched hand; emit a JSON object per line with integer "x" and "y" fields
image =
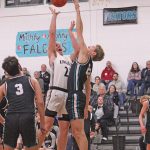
{"x": 77, "y": 6}
{"x": 53, "y": 11}
{"x": 72, "y": 25}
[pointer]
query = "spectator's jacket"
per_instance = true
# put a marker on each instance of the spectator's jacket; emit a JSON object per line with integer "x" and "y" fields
{"x": 145, "y": 75}
{"x": 114, "y": 97}
{"x": 46, "y": 79}
{"x": 134, "y": 75}
{"x": 118, "y": 84}
{"x": 107, "y": 113}
{"x": 107, "y": 74}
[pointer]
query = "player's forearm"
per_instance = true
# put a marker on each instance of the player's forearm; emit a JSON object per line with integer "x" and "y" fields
{"x": 141, "y": 120}
{"x": 52, "y": 30}
{"x": 88, "y": 92}
{"x": 41, "y": 111}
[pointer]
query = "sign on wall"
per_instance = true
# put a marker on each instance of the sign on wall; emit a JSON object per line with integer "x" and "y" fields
{"x": 35, "y": 43}
{"x": 16, "y": 3}
{"x": 120, "y": 15}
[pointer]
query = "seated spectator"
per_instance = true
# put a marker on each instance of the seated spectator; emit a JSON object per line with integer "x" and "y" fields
{"x": 119, "y": 88}
{"x": 112, "y": 96}
{"x": 25, "y": 71}
{"x": 94, "y": 96}
{"x": 145, "y": 79}
{"x": 107, "y": 74}
{"x": 46, "y": 77}
{"x": 104, "y": 115}
{"x": 41, "y": 82}
{"x": 134, "y": 78}
{"x": 97, "y": 84}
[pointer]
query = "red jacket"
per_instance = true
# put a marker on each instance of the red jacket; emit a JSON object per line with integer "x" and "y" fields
{"x": 107, "y": 74}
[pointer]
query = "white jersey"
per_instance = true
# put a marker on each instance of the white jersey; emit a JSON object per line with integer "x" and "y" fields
{"x": 60, "y": 71}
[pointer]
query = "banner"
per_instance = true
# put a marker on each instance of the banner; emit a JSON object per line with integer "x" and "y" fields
{"x": 35, "y": 43}
{"x": 123, "y": 15}
{"x": 16, "y": 3}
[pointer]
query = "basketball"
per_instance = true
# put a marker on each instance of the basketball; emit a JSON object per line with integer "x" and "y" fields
{"x": 59, "y": 3}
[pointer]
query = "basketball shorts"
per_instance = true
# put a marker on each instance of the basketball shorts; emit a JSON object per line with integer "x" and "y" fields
{"x": 55, "y": 103}
{"x": 147, "y": 135}
{"x": 23, "y": 124}
{"x": 75, "y": 105}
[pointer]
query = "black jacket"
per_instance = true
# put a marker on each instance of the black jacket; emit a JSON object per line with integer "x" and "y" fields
{"x": 46, "y": 79}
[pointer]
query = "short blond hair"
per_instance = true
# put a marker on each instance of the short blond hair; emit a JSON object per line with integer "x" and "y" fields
{"x": 144, "y": 98}
{"x": 99, "y": 53}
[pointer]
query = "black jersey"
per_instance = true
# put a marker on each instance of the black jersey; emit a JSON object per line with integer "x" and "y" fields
{"x": 78, "y": 75}
{"x": 20, "y": 95}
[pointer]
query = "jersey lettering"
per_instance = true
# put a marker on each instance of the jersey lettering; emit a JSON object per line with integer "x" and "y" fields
{"x": 66, "y": 72}
{"x": 19, "y": 90}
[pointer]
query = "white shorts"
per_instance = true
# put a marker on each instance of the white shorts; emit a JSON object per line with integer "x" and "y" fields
{"x": 56, "y": 101}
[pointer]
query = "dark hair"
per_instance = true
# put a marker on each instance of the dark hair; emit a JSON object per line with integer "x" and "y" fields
{"x": 113, "y": 86}
{"x": 11, "y": 65}
{"x": 133, "y": 70}
{"x": 99, "y": 53}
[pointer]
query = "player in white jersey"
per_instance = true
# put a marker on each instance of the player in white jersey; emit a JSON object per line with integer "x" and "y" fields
{"x": 57, "y": 95}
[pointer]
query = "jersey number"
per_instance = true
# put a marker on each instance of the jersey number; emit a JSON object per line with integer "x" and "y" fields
{"x": 67, "y": 72}
{"x": 19, "y": 90}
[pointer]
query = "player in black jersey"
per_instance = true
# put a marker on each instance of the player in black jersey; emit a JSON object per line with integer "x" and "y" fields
{"x": 145, "y": 113}
{"x": 77, "y": 102}
{"x": 21, "y": 92}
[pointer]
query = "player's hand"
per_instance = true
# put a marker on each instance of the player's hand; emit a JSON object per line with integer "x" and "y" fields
{"x": 53, "y": 11}
{"x": 42, "y": 129}
{"x": 85, "y": 113}
{"x": 143, "y": 129}
{"x": 72, "y": 25}
{"x": 92, "y": 134}
{"x": 77, "y": 6}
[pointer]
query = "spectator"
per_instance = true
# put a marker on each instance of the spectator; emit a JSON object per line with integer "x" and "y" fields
{"x": 134, "y": 78}
{"x": 145, "y": 79}
{"x": 107, "y": 74}
{"x": 94, "y": 96}
{"x": 112, "y": 96}
{"x": 97, "y": 84}
{"x": 104, "y": 115}
{"x": 46, "y": 77}
{"x": 41, "y": 82}
{"x": 25, "y": 72}
{"x": 119, "y": 88}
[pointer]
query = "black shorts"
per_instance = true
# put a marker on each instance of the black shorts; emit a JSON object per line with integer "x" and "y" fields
{"x": 20, "y": 123}
{"x": 75, "y": 105}
{"x": 147, "y": 135}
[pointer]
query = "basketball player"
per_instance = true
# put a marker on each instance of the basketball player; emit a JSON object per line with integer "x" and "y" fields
{"x": 77, "y": 102}
{"x": 145, "y": 113}
{"x": 56, "y": 98}
{"x": 20, "y": 92}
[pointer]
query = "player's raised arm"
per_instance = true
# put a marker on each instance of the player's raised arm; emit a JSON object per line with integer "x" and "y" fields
{"x": 79, "y": 28}
{"x": 74, "y": 42}
{"x": 52, "y": 35}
